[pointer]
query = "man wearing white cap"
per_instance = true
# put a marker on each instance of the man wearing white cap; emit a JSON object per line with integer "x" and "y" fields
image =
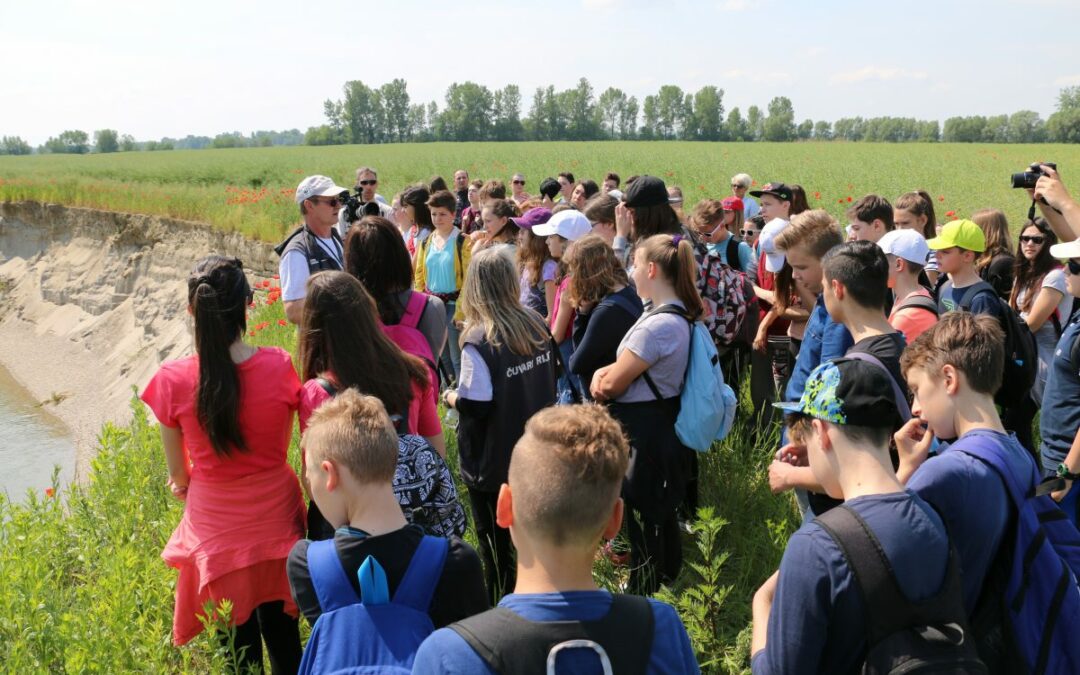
{"x": 312, "y": 247}
{"x": 915, "y": 310}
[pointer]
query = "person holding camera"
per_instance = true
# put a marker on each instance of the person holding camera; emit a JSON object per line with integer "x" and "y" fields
{"x": 1060, "y": 210}
{"x": 312, "y": 247}
{"x": 366, "y": 201}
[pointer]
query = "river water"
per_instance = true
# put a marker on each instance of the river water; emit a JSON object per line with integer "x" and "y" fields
{"x": 32, "y": 442}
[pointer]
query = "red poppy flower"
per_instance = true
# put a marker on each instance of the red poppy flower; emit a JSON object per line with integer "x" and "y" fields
{"x": 840, "y": 201}
{"x": 282, "y": 322}
{"x": 941, "y": 198}
{"x": 849, "y": 200}
{"x": 817, "y": 195}
{"x": 49, "y": 492}
{"x": 950, "y": 214}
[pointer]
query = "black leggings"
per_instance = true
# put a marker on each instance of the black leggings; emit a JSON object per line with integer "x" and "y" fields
{"x": 655, "y": 552}
{"x": 1019, "y": 420}
{"x": 496, "y": 549}
{"x": 282, "y": 634}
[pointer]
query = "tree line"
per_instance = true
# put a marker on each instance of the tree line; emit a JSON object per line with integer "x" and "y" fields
{"x": 473, "y": 112}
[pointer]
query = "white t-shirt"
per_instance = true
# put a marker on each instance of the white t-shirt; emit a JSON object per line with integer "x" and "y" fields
{"x": 1046, "y": 337}
{"x": 294, "y": 272}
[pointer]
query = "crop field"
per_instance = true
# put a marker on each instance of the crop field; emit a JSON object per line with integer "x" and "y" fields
{"x": 251, "y": 190}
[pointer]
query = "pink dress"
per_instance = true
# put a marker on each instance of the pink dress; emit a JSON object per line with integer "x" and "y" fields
{"x": 243, "y": 511}
{"x": 423, "y": 408}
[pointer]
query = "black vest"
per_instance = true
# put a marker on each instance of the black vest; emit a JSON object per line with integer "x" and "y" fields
{"x": 304, "y": 240}
{"x": 521, "y": 386}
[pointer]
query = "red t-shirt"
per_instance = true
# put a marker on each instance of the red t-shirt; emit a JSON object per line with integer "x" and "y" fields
{"x": 423, "y": 408}
{"x": 912, "y": 321}
{"x": 269, "y": 394}
{"x": 767, "y": 280}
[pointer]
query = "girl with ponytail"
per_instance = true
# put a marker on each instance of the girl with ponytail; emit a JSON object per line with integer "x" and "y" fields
{"x": 642, "y": 390}
{"x": 226, "y": 416}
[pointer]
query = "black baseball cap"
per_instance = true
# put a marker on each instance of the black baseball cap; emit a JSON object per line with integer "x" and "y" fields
{"x": 778, "y": 190}
{"x": 646, "y": 191}
{"x": 848, "y": 392}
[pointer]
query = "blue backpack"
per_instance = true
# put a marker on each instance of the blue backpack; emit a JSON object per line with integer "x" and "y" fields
{"x": 375, "y": 634}
{"x": 707, "y": 404}
{"x": 1028, "y": 617}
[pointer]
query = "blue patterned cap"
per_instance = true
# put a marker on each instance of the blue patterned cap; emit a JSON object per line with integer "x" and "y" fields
{"x": 848, "y": 391}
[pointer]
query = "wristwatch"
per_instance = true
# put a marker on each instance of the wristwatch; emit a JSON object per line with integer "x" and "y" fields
{"x": 1063, "y": 472}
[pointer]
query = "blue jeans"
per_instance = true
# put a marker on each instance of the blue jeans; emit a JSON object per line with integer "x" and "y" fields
{"x": 563, "y": 393}
{"x": 451, "y": 354}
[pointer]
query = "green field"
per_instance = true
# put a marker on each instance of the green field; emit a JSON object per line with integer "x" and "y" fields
{"x": 250, "y": 190}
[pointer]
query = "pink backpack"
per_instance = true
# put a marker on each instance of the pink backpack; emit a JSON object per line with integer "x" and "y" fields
{"x": 730, "y": 310}
{"x": 408, "y": 337}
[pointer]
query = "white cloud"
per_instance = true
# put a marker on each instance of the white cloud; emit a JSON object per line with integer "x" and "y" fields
{"x": 874, "y": 73}
{"x": 1067, "y": 81}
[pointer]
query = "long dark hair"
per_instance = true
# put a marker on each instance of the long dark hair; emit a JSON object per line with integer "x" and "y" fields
{"x": 416, "y": 197}
{"x": 799, "y": 202}
{"x": 653, "y": 220}
{"x": 375, "y": 254}
{"x": 218, "y": 295}
{"x": 1028, "y": 274}
{"x": 340, "y": 334}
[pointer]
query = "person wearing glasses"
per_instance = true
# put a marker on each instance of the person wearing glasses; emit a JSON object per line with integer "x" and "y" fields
{"x": 314, "y": 246}
{"x": 461, "y": 194}
{"x": 740, "y": 183}
{"x": 750, "y": 232}
{"x": 367, "y": 182}
{"x": 517, "y": 189}
{"x": 1059, "y": 424}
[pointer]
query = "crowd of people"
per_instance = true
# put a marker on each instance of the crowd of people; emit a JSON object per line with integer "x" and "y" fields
{"x": 905, "y": 359}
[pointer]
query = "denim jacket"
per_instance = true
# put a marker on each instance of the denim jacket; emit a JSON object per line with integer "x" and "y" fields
{"x": 824, "y": 340}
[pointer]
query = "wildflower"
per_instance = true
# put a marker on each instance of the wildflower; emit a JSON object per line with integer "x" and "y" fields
{"x": 282, "y": 322}
{"x": 950, "y": 214}
{"x": 849, "y": 200}
{"x": 941, "y": 198}
{"x": 817, "y": 195}
{"x": 50, "y": 492}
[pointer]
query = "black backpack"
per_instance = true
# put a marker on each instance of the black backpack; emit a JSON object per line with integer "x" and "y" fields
{"x": 931, "y": 636}
{"x": 1021, "y": 352}
{"x": 512, "y": 645}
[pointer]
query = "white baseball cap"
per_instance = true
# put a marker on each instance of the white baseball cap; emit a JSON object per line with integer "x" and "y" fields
{"x": 906, "y": 244}
{"x": 1070, "y": 249}
{"x": 317, "y": 186}
{"x": 568, "y": 224}
{"x": 774, "y": 260}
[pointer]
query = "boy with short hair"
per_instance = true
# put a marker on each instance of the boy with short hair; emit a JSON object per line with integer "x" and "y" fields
{"x": 561, "y": 500}
{"x": 958, "y": 246}
{"x": 914, "y": 309}
{"x": 351, "y": 452}
{"x": 953, "y": 370}
{"x": 810, "y": 617}
{"x": 871, "y": 217}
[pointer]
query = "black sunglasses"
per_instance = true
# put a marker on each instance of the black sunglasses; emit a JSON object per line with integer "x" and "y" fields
{"x": 748, "y": 233}
{"x": 333, "y": 201}
{"x": 1032, "y": 239}
{"x": 1074, "y": 267}
{"x": 368, "y": 182}
{"x": 519, "y": 182}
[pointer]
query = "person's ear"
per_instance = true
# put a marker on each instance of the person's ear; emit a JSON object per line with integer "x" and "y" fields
{"x": 614, "y": 523}
{"x": 821, "y": 429}
{"x": 504, "y": 507}
{"x": 950, "y": 379}
{"x": 650, "y": 270}
{"x": 333, "y": 477}
{"x": 838, "y": 289}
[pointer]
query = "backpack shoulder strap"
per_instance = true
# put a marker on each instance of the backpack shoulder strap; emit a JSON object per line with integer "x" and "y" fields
{"x": 944, "y": 290}
{"x": 620, "y": 301}
{"x": 902, "y": 405}
{"x": 733, "y": 253}
{"x": 984, "y": 451}
{"x": 414, "y": 310}
{"x": 483, "y": 632}
{"x": 885, "y": 604}
{"x": 423, "y": 574}
{"x": 328, "y": 576}
{"x": 973, "y": 290}
{"x": 919, "y": 301}
{"x": 326, "y": 386}
{"x": 670, "y": 309}
{"x": 626, "y": 633}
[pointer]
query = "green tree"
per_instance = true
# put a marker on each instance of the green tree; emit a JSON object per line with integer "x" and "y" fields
{"x": 363, "y": 113}
{"x": 755, "y": 124}
{"x": 965, "y": 129}
{"x": 467, "y": 115}
{"x": 780, "y": 123}
{"x": 106, "y": 140}
{"x": 1064, "y": 125}
{"x": 610, "y": 106}
{"x": 849, "y": 128}
{"x": 709, "y": 113}
{"x": 14, "y": 145}
{"x": 822, "y": 131}
{"x": 736, "y": 127}
{"x": 929, "y": 131}
{"x": 628, "y": 118}
{"x": 1025, "y": 126}
{"x": 128, "y": 143}
{"x": 506, "y": 112}
{"x": 580, "y": 111}
{"x": 805, "y": 130}
{"x": 649, "y": 118}
{"x": 536, "y": 124}
{"x": 70, "y": 142}
{"x": 395, "y": 101}
{"x": 671, "y": 113}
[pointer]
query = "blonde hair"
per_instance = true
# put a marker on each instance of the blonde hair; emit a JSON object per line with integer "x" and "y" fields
{"x": 490, "y": 302}
{"x": 676, "y": 262}
{"x": 595, "y": 270}
{"x": 353, "y": 430}
{"x": 995, "y": 226}
{"x": 566, "y": 472}
{"x": 815, "y": 231}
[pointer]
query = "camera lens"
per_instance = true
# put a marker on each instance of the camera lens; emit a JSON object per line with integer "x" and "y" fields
{"x": 1024, "y": 180}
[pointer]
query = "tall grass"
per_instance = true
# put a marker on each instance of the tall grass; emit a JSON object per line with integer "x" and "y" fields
{"x": 249, "y": 190}
{"x": 83, "y": 587}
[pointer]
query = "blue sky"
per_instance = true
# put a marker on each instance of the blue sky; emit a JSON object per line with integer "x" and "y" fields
{"x": 157, "y": 69}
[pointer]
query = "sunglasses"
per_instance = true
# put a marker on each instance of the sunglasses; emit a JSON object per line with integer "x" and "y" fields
{"x": 748, "y": 233}
{"x": 1033, "y": 239}
{"x": 1074, "y": 267}
{"x": 735, "y": 187}
{"x": 519, "y": 182}
{"x": 368, "y": 182}
{"x": 334, "y": 202}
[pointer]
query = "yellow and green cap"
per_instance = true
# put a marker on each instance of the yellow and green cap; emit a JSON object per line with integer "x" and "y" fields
{"x": 965, "y": 234}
